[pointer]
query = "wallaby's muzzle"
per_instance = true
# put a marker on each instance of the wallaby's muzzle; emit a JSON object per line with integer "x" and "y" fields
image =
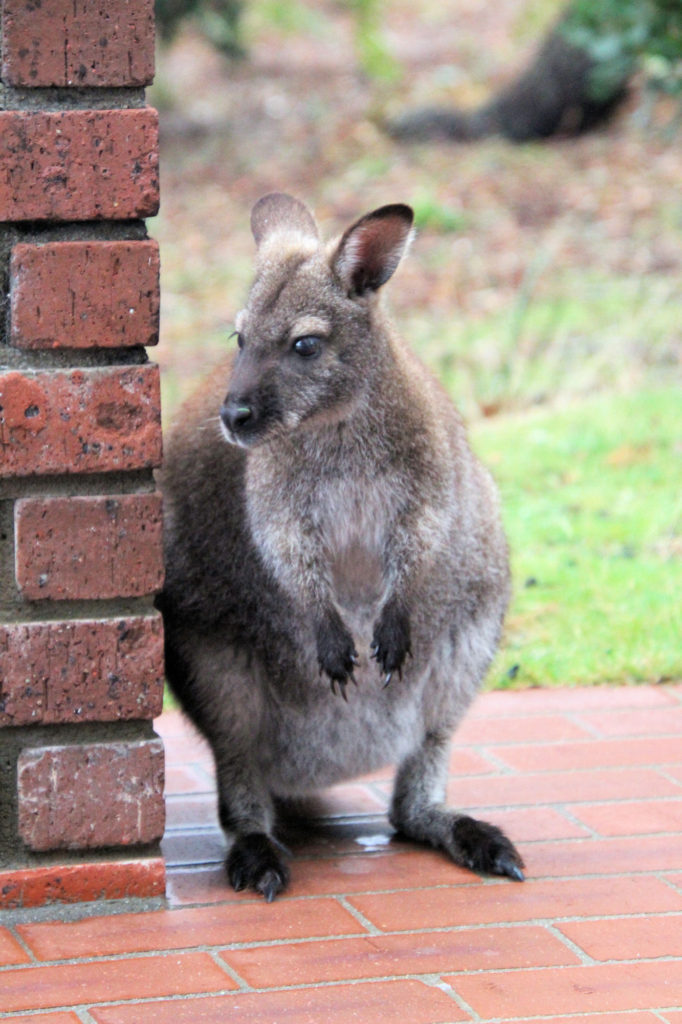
{"x": 236, "y": 416}
{"x": 247, "y": 416}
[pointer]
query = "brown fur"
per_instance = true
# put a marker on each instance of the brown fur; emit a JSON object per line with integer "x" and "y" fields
{"x": 346, "y": 532}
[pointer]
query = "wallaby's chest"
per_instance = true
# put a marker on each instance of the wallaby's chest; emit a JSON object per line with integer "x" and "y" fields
{"x": 354, "y": 519}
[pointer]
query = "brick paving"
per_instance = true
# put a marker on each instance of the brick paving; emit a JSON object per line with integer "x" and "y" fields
{"x": 587, "y": 782}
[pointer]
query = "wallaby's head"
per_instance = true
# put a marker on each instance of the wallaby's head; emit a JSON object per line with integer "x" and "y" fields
{"x": 308, "y": 337}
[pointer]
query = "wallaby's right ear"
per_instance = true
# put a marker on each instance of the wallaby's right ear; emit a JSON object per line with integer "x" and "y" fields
{"x": 371, "y": 249}
{"x": 280, "y": 212}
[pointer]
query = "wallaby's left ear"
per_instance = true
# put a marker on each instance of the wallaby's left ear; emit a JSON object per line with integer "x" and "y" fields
{"x": 371, "y": 249}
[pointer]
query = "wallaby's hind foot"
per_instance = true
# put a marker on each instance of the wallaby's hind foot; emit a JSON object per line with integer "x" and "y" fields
{"x": 484, "y": 848}
{"x": 473, "y": 844}
{"x": 255, "y": 862}
{"x": 418, "y": 812}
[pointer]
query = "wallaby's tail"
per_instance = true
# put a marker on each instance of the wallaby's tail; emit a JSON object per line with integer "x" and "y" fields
{"x": 554, "y": 96}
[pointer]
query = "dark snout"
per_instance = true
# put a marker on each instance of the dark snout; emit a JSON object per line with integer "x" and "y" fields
{"x": 238, "y": 417}
{"x": 251, "y": 408}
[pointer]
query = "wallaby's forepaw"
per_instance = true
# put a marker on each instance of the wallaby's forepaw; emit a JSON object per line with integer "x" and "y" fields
{"x": 391, "y": 640}
{"x": 485, "y": 848}
{"x": 254, "y": 862}
{"x": 336, "y": 653}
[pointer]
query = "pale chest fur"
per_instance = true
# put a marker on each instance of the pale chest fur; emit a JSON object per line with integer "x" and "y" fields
{"x": 316, "y": 520}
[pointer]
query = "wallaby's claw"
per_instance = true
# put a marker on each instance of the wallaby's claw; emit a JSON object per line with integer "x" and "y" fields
{"x": 341, "y": 683}
{"x": 391, "y": 641}
{"x": 254, "y": 863}
{"x": 505, "y": 865}
{"x": 484, "y": 847}
{"x": 336, "y": 653}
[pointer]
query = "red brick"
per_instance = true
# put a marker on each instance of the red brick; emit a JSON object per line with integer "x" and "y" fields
{"x": 603, "y": 856}
{"x": 585, "y": 989}
{"x": 252, "y": 921}
{"x": 89, "y": 43}
{"x": 44, "y": 1018}
{"x": 507, "y": 703}
{"x": 561, "y": 787}
{"x": 642, "y": 722}
{"x": 80, "y": 421}
{"x": 404, "y": 870}
{"x": 84, "y": 797}
{"x": 185, "y": 744}
{"x": 377, "y": 1003}
{"x": 196, "y": 885}
{"x": 466, "y": 762}
{"x": 613, "y": 753}
{"x": 631, "y": 819}
{"x": 78, "y": 164}
{"x": 502, "y": 903}
{"x": 527, "y": 824}
{"x": 10, "y": 950}
{"x": 600, "y": 1018}
{"x": 84, "y": 294}
{"x": 534, "y": 728}
{"x": 636, "y": 938}
{"x": 137, "y": 978}
{"x": 189, "y": 780}
{"x": 81, "y": 670}
{"x": 81, "y": 883}
{"x": 88, "y": 547}
{"x": 379, "y": 956}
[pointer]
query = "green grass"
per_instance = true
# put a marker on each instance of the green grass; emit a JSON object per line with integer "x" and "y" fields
{"x": 592, "y": 499}
{"x": 568, "y": 333}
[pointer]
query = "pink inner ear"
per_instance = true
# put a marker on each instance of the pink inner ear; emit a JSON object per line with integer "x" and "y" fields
{"x": 372, "y": 252}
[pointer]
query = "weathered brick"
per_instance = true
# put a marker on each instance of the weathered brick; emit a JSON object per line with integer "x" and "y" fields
{"x": 78, "y": 164}
{"x": 83, "y": 797}
{"x": 88, "y": 547}
{"x": 84, "y": 294}
{"x": 79, "y": 421}
{"x": 84, "y": 43}
{"x": 85, "y": 670}
{"x": 82, "y": 882}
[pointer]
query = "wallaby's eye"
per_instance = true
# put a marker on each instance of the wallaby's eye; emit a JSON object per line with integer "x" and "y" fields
{"x": 308, "y": 346}
{"x": 240, "y": 339}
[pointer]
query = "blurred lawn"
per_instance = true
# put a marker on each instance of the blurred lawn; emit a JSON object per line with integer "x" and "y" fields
{"x": 592, "y": 501}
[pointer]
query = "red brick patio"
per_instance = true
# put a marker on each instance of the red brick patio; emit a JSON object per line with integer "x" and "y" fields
{"x": 588, "y": 783}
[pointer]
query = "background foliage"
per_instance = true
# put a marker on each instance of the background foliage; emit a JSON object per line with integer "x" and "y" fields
{"x": 621, "y": 35}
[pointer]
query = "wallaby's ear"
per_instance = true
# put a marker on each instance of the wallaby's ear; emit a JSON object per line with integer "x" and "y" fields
{"x": 371, "y": 249}
{"x": 280, "y": 212}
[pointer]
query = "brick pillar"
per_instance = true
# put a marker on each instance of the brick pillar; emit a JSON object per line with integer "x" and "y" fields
{"x": 81, "y": 674}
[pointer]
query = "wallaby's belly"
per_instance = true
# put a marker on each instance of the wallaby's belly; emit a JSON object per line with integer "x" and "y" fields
{"x": 325, "y": 741}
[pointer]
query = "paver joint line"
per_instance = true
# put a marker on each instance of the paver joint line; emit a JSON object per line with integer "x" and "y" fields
{"x": 398, "y": 909}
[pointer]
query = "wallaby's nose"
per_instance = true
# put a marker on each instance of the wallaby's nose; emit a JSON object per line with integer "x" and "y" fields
{"x": 236, "y": 413}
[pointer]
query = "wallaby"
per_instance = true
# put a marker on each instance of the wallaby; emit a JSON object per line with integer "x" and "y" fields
{"x": 329, "y": 520}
